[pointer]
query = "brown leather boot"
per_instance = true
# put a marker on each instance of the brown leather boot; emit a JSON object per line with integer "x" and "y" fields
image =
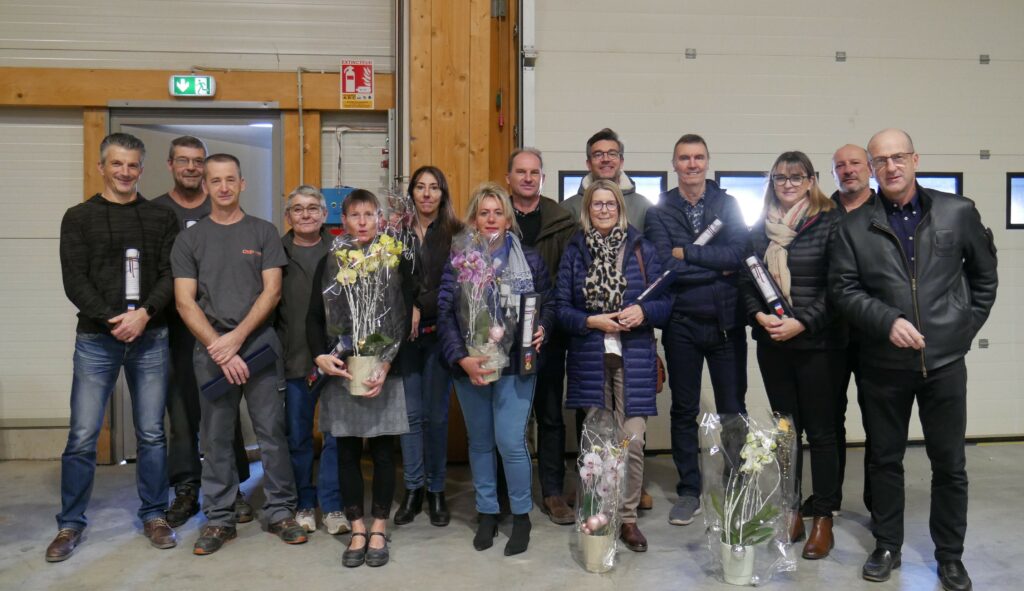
{"x": 631, "y": 535}
{"x": 796, "y": 527}
{"x": 820, "y": 542}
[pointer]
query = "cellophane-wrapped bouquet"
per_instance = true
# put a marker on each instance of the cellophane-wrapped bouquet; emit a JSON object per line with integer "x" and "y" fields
{"x": 747, "y": 482}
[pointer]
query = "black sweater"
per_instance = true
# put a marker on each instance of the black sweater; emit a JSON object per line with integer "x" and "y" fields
{"x": 93, "y": 238}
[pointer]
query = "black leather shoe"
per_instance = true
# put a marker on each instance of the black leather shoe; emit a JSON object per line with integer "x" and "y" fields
{"x": 353, "y": 558}
{"x": 953, "y": 576}
{"x": 438, "y": 508}
{"x": 378, "y": 556}
{"x": 411, "y": 505}
{"x": 879, "y": 565}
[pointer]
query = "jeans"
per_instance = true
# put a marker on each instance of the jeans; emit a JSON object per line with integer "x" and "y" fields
{"x": 688, "y": 342}
{"x": 805, "y": 385}
{"x": 496, "y": 416}
{"x": 889, "y": 396}
{"x": 299, "y": 407}
{"x": 97, "y": 362}
{"x": 427, "y": 391}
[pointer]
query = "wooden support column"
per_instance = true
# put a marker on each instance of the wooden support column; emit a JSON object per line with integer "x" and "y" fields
{"x": 310, "y": 149}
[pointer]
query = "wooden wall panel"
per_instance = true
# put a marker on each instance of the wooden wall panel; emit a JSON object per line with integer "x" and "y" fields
{"x": 481, "y": 97}
{"x": 310, "y": 149}
{"x": 420, "y": 63}
{"x": 94, "y": 129}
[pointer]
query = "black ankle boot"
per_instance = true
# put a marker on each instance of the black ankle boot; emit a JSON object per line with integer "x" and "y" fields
{"x": 486, "y": 531}
{"x": 520, "y": 538}
{"x": 438, "y": 508}
{"x": 411, "y": 505}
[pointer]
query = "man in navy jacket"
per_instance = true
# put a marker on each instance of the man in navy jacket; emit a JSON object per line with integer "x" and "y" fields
{"x": 706, "y": 321}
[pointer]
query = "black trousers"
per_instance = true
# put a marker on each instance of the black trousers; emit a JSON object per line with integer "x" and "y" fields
{"x": 183, "y": 415}
{"x": 852, "y": 370}
{"x": 942, "y": 407}
{"x": 548, "y": 401}
{"x": 805, "y": 385}
{"x": 350, "y": 475}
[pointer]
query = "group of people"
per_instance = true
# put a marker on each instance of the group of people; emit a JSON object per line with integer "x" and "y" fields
{"x": 862, "y": 278}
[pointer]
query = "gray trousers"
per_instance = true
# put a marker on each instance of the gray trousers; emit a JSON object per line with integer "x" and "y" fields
{"x": 266, "y": 410}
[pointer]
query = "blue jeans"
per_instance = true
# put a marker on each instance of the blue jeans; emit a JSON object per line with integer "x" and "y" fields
{"x": 299, "y": 406}
{"x": 427, "y": 390}
{"x": 496, "y": 415}
{"x": 688, "y": 342}
{"x": 97, "y": 362}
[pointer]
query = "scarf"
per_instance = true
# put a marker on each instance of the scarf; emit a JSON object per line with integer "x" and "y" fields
{"x": 604, "y": 284}
{"x": 781, "y": 230}
{"x": 516, "y": 276}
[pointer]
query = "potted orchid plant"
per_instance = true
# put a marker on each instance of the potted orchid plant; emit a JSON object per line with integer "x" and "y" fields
{"x": 363, "y": 285}
{"x": 749, "y": 506}
{"x": 486, "y": 326}
{"x": 602, "y": 470}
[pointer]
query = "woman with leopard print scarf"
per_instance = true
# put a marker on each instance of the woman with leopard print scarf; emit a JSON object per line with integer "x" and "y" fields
{"x": 611, "y": 364}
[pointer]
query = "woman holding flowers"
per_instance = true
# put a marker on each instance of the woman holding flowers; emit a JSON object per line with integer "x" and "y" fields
{"x": 612, "y": 351}
{"x": 478, "y": 322}
{"x": 427, "y": 381}
{"x": 359, "y": 311}
{"x": 801, "y": 355}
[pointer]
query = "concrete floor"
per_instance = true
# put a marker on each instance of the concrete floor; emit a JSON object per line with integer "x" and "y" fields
{"x": 116, "y": 556}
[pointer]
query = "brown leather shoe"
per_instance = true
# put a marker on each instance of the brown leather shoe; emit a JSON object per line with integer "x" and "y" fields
{"x": 63, "y": 545}
{"x": 646, "y": 500}
{"x": 160, "y": 533}
{"x": 630, "y": 534}
{"x": 796, "y": 527}
{"x": 557, "y": 511}
{"x": 289, "y": 531}
{"x": 820, "y": 542}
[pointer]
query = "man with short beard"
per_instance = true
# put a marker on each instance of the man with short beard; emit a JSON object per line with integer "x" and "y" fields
{"x": 187, "y": 199}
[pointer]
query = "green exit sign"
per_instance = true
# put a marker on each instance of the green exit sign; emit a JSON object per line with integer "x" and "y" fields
{"x": 190, "y": 85}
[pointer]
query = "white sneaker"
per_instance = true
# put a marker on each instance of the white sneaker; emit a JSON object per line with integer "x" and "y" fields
{"x": 336, "y": 523}
{"x": 307, "y": 519}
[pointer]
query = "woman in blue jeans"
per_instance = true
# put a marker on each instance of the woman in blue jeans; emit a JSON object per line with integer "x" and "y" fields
{"x": 427, "y": 381}
{"x": 496, "y": 412}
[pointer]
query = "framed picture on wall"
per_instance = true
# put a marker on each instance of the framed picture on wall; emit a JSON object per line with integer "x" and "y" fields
{"x": 649, "y": 183}
{"x": 1015, "y": 200}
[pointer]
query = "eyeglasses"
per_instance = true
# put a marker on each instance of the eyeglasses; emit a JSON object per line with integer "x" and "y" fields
{"x": 796, "y": 179}
{"x": 604, "y": 206}
{"x": 312, "y": 210}
{"x": 898, "y": 159}
{"x": 181, "y": 161}
{"x": 611, "y": 154}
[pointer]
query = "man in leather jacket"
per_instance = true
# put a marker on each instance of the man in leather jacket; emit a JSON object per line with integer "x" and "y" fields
{"x": 915, "y": 272}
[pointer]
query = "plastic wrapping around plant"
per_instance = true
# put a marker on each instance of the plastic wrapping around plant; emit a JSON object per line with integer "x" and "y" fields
{"x": 747, "y": 467}
{"x": 488, "y": 324}
{"x": 363, "y": 300}
{"x": 399, "y": 220}
{"x": 602, "y": 472}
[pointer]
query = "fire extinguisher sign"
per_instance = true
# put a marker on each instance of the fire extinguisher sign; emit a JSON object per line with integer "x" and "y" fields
{"x": 356, "y": 84}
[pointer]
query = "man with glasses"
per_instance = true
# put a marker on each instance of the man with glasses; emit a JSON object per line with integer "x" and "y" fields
{"x": 707, "y": 322}
{"x": 115, "y": 260}
{"x": 546, "y": 228}
{"x": 227, "y": 282}
{"x": 188, "y": 200}
{"x": 606, "y": 156}
{"x": 915, "y": 272}
{"x": 305, "y": 244}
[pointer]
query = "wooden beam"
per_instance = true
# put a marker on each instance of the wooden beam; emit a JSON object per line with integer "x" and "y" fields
{"x": 77, "y": 87}
{"x": 311, "y": 147}
{"x": 94, "y": 129}
{"x": 421, "y": 31}
{"x": 481, "y": 98}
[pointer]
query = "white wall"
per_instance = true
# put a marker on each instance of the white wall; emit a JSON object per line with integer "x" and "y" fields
{"x": 766, "y": 80}
{"x": 180, "y": 34}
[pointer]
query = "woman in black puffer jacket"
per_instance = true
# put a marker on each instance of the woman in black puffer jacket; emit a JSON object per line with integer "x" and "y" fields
{"x": 801, "y": 358}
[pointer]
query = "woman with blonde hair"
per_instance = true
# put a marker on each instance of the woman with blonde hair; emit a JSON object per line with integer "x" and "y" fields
{"x": 802, "y": 354}
{"x": 496, "y": 412}
{"x": 612, "y": 363}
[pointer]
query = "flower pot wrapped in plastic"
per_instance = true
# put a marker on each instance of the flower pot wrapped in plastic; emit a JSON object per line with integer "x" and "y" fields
{"x": 488, "y": 325}
{"x": 602, "y": 471}
{"x": 745, "y": 463}
{"x": 364, "y": 302}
